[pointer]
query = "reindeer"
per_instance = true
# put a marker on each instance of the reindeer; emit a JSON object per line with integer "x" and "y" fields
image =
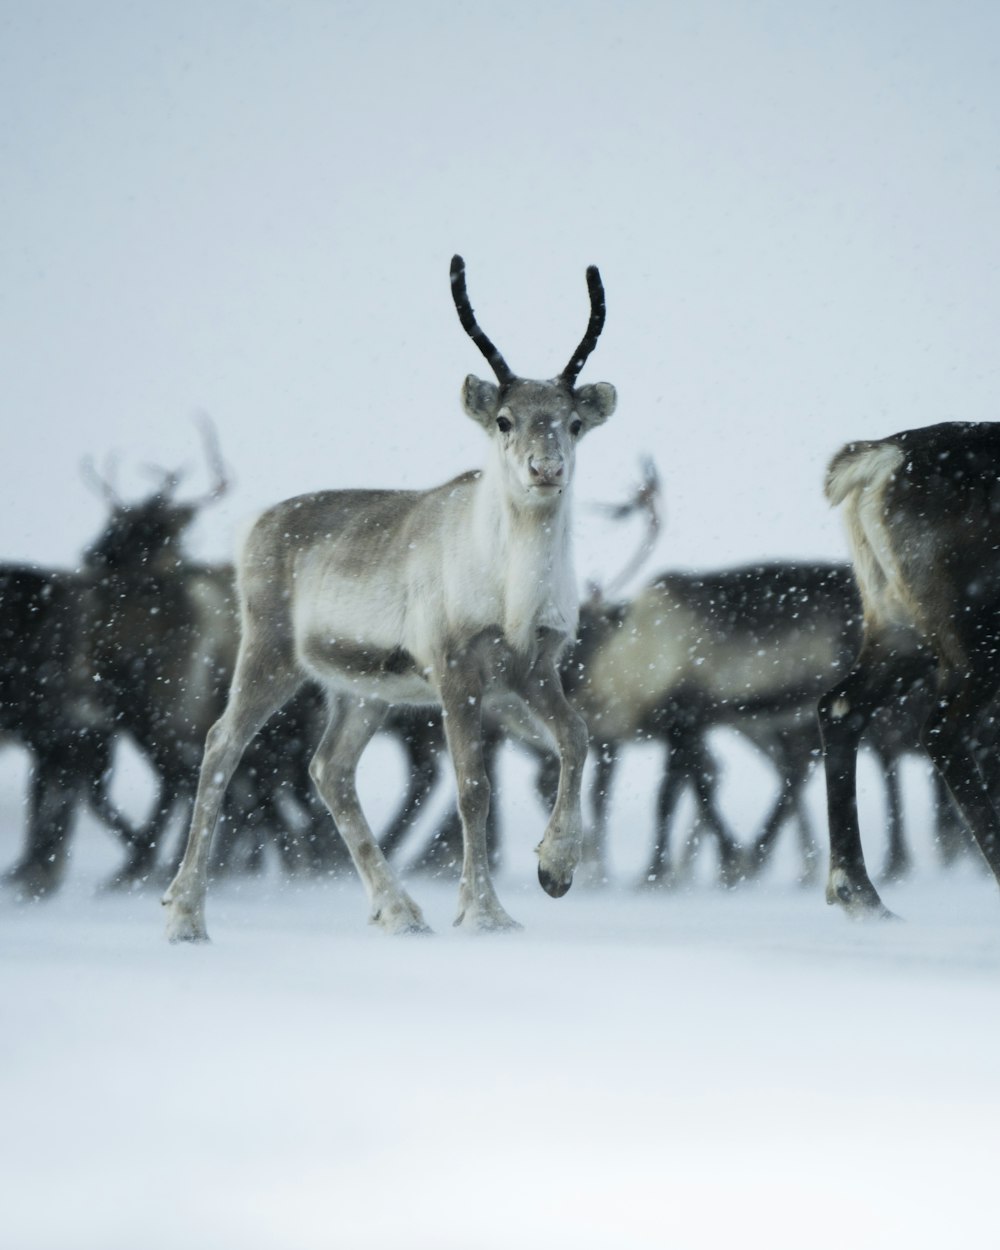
{"x": 442, "y": 596}
{"x": 164, "y": 650}
{"x": 758, "y": 644}
{"x": 696, "y": 650}
{"x": 48, "y": 706}
{"x": 162, "y": 647}
{"x": 443, "y": 852}
{"x": 162, "y": 640}
{"x": 921, "y": 509}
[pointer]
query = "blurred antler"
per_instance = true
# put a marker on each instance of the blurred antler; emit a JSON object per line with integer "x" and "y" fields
{"x": 216, "y": 464}
{"x": 646, "y": 499}
{"x": 169, "y": 479}
{"x": 102, "y": 485}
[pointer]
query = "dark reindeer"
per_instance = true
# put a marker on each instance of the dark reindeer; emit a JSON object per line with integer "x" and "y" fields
{"x": 162, "y": 642}
{"x": 923, "y": 520}
{"x": 162, "y": 647}
{"x": 442, "y": 596}
{"x": 747, "y": 648}
{"x": 791, "y": 739}
{"x": 49, "y": 707}
{"x": 758, "y": 644}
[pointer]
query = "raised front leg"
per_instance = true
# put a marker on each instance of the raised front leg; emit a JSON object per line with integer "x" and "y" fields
{"x": 559, "y": 849}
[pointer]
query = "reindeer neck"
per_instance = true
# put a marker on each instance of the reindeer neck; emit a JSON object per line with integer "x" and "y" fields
{"x": 532, "y": 551}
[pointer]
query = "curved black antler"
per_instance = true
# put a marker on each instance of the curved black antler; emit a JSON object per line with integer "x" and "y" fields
{"x": 471, "y": 326}
{"x": 596, "y": 324}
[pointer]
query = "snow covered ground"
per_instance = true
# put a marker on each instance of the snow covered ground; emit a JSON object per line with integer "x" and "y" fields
{"x": 636, "y": 1070}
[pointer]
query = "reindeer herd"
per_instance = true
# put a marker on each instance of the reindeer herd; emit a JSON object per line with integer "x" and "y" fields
{"x": 449, "y": 618}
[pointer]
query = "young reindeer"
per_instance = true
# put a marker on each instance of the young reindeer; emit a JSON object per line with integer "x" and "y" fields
{"x": 923, "y": 518}
{"x": 420, "y": 597}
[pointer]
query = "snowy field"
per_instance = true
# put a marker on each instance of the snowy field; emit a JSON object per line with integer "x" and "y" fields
{"x": 638, "y": 1070}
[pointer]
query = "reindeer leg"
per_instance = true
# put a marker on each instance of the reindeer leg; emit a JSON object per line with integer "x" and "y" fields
{"x": 52, "y": 800}
{"x": 951, "y": 835}
{"x": 690, "y": 760}
{"x": 333, "y": 770}
{"x": 593, "y": 870}
{"x": 253, "y": 698}
{"x": 799, "y": 767}
{"x": 732, "y": 867}
{"x": 844, "y": 713}
{"x": 559, "y": 849}
{"x": 461, "y": 698}
{"x": 897, "y": 857}
{"x": 808, "y": 846}
{"x": 763, "y": 846}
{"x": 141, "y": 853}
{"x": 443, "y": 853}
{"x": 492, "y": 742}
{"x": 949, "y": 736}
{"x": 659, "y": 871}
{"x": 422, "y": 773}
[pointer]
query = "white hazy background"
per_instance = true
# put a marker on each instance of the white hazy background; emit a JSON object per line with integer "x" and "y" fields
{"x": 249, "y": 209}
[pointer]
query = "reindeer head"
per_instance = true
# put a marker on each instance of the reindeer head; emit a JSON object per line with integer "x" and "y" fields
{"x": 535, "y": 426}
{"x": 145, "y": 537}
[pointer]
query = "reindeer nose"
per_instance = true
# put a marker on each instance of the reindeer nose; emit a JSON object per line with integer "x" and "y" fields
{"x": 547, "y": 470}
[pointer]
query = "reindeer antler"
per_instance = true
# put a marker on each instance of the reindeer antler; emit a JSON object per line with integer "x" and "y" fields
{"x": 471, "y": 326}
{"x": 169, "y": 479}
{"x": 102, "y": 485}
{"x": 216, "y": 464}
{"x": 594, "y": 327}
{"x": 645, "y": 499}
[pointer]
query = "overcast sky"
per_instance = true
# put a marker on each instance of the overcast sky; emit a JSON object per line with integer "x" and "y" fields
{"x": 249, "y": 209}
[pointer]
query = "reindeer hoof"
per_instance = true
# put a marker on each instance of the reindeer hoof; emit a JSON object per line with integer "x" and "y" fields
{"x": 400, "y": 917}
{"x": 30, "y": 887}
{"x": 185, "y": 929}
{"x": 486, "y": 920}
{"x": 858, "y": 898}
{"x": 554, "y": 887}
{"x": 185, "y": 921}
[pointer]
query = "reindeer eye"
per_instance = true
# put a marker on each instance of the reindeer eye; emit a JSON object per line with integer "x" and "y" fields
{"x": 504, "y": 425}
{"x": 575, "y": 426}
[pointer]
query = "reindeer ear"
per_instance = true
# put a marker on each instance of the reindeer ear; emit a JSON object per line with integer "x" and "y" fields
{"x": 595, "y": 402}
{"x": 480, "y": 399}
